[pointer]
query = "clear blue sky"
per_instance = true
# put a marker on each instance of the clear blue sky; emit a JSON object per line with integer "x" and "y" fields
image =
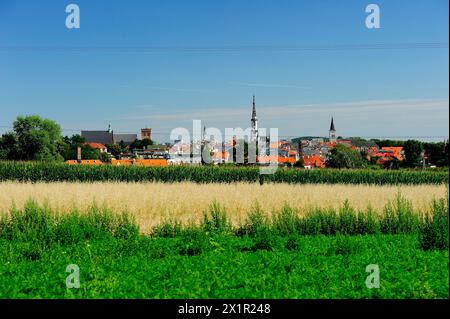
{"x": 388, "y": 92}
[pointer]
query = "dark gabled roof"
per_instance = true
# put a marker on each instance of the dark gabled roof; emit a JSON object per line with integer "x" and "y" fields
{"x": 126, "y": 138}
{"x": 332, "y": 125}
{"x": 103, "y": 137}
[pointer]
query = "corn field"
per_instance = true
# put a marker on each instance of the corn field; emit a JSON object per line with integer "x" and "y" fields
{"x": 53, "y": 172}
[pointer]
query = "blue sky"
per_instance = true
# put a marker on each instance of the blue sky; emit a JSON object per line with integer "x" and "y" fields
{"x": 387, "y": 92}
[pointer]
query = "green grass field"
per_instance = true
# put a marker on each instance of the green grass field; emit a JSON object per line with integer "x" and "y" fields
{"x": 321, "y": 255}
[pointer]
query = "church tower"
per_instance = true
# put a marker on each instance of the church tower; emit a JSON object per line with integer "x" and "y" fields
{"x": 332, "y": 132}
{"x": 254, "y": 122}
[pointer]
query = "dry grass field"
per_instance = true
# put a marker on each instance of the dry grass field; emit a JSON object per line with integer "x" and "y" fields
{"x": 151, "y": 203}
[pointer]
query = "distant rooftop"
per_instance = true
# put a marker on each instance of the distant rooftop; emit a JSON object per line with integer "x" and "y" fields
{"x": 126, "y": 138}
{"x": 103, "y": 137}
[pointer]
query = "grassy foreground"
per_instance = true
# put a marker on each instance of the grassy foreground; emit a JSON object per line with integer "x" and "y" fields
{"x": 321, "y": 255}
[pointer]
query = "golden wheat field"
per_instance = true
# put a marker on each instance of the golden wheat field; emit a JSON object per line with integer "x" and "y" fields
{"x": 152, "y": 203}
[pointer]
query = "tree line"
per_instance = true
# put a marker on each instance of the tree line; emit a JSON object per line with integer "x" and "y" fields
{"x": 416, "y": 154}
{"x": 36, "y": 139}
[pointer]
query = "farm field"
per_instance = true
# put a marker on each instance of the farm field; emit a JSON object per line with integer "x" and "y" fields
{"x": 207, "y": 232}
{"x": 226, "y": 158}
{"x": 322, "y": 255}
{"x": 153, "y": 202}
{"x": 322, "y": 267}
{"x": 54, "y": 172}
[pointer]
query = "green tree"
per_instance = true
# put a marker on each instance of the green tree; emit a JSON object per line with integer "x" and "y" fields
{"x": 105, "y": 158}
{"x": 70, "y": 148}
{"x": 37, "y": 138}
{"x": 9, "y": 147}
{"x": 413, "y": 153}
{"x": 445, "y": 161}
{"x": 435, "y": 153}
{"x": 115, "y": 149}
{"x": 342, "y": 156}
{"x": 141, "y": 144}
{"x": 123, "y": 146}
{"x": 387, "y": 143}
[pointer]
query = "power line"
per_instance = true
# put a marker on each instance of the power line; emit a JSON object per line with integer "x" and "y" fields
{"x": 293, "y": 136}
{"x": 226, "y": 49}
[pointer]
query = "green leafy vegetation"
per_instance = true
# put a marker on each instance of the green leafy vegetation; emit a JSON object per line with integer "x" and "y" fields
{"x": 321, "y": 254}
{"x": 413, "y": 151}
{"x": 342, "y": 156}
{"x": 32, "y": 138}
{"x": 437, "y": 153}
{"x": 52, "y": 172}
{"x": 434, "y": 231}
{"x": 68, "y": 149}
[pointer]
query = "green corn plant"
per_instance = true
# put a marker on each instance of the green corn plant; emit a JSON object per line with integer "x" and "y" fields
{"x": 50, "y": 172}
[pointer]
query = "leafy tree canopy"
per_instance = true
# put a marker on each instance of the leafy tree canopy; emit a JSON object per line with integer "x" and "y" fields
{"x": 32, "y": 138}
{"x": 413, "y": 153}
{"x": 342, "y": 156}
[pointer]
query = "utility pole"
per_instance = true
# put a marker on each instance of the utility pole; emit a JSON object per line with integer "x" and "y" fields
{"x": 79, "y": 155}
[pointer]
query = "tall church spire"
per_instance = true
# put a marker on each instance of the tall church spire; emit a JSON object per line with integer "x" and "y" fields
{"x": 332, "y": 132}
{"x": 332, "y": 125}
{"x": 254, "y": 122}
{"x": 254, "y": 108}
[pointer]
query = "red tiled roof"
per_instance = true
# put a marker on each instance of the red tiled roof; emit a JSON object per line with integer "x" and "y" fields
{"x": 395, "y": 151}
{"x": 313, "y": 160}
{"x": 96, "y": 145}
{"x": 276, "y": 159}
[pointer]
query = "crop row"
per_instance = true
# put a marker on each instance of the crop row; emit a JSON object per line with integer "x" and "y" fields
{"x": 52, "y": 172}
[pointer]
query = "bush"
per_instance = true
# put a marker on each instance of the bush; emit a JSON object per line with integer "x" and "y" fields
{"x": 40, "y": 224}
{"x": 319, "y": 221}
{"x": 286, "y": 221}
{"x": 367, "y": 222}
{"x": 216, "y": 221}
{"x": 348, "y": 222}
{"x": 168, "y": 229}
{"x": 434, "y": 231}
{"x": 399, "y": 217}
{"x": 257, "y": 223}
